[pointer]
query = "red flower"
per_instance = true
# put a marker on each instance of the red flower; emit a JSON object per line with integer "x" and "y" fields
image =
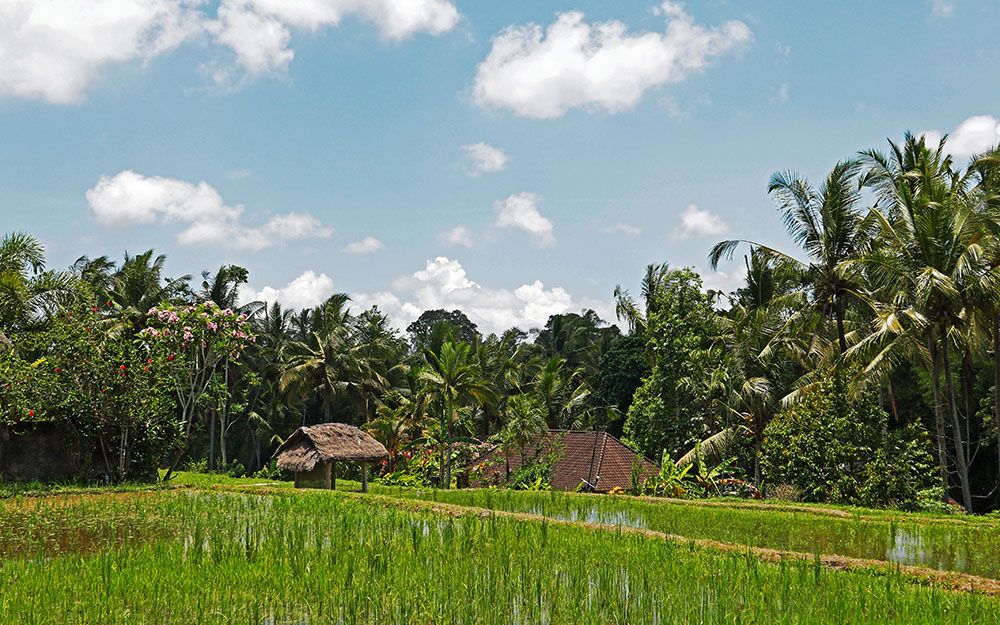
{"x": 93, "y": 309}
{"x": 31, "y": 413}
{"x": 149, "y": 361}
{"x": 170, "y": 357}
{"x": 108, "y": 304}
{"x": 146, "y": 368}
{"x": 58, "y": 370}
{"x": 122, "y": 367}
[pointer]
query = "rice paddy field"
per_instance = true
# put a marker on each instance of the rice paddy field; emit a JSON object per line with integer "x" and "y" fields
{"x": 250, "y": 554}
{"x": 949, "y": 543}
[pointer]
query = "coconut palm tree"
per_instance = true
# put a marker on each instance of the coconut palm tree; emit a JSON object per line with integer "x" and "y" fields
{"x": 931, "y": 257}
{"x": 223, "y": 287}
{"x": 829, "y": 226}
{"x": 452, "y": 378}
{"x": 28, "y": 292}
{"x": 331, "y": 365}
{"x": 138, "y": 285}
{"x": 629, "y": 311}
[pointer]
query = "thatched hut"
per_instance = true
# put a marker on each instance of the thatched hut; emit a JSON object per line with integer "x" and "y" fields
{"x": 312, "y": 453}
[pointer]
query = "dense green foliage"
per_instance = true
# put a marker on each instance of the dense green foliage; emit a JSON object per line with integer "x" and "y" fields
{"x": 831, "y": 450}
{"x": 892, "y": 291}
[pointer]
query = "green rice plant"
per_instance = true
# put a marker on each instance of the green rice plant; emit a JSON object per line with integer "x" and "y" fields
{"x": 320, "y": 557}
{"x": 964, "y": 546}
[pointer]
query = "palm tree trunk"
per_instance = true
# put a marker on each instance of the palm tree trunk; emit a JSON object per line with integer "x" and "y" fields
{"x": 942, "y": 443}
{"x": 838, "y": 308}
{"x": 963, "y": 469}
{"x": 892, "y": 402}
{"x": 996, "y": 385}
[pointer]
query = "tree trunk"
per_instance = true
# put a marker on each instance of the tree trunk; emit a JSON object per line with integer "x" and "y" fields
{"x": 211, "y": 443}
{"x": 838, "y": 309}
{"x": 758, "y": 437}
{"x": 996, "y": 386}
{"x": 942, "y": 442}
{"x": 963, "y": 469}
{"x": 892, "y": 402}
{"x": 223, "y": 426}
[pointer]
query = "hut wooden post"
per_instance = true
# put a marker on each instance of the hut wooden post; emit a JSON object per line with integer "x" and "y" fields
{"x": 333, "y": 472}
{"x": 327, "y": 474}
{"x": 364, "y": 477}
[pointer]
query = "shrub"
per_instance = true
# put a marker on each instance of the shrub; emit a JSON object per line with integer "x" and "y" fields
{"x": 833, "y": 451}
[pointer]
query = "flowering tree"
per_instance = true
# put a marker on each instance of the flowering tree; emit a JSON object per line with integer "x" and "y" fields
{"x": 196, "y": 342}
{"x": 102, "y": 390}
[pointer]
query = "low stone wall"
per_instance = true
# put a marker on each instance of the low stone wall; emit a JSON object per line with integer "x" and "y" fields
{"x": 38, "y": 451}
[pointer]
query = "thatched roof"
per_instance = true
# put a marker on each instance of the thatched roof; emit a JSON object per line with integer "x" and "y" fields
{"x": 308, "y": 446}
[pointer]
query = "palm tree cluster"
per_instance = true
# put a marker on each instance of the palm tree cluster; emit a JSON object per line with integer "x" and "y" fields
{"x": 894, "y": 293}
{"x": 898, "y": 285}
{"x": 440, "y": 387}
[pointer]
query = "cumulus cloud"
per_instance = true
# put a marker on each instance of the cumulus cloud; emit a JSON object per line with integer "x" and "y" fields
{"x": 623, "y": 228}
{"x": 367, "y": 245}
{"x": 129, "y": 198}
{"x": 459, "y": 235}
{"x": 543, "y": 73}
{"x": 974, "y": 135}
{"x": 443, "y": 283}
{"x": 306, "y": 291}
{"x": 520, "y": 211}
{"x": 259, "y": 32}
{"x": 484, "y": 159}
{"x": 700, "y": 222}
{"x": 942, "y": 8}
{"x": 53, "y": 51}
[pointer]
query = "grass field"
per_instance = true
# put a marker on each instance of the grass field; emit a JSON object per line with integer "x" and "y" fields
{"x": 198, "y": 555}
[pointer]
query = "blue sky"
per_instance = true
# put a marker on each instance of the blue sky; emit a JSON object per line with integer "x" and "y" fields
{"x": 323, "y": 144}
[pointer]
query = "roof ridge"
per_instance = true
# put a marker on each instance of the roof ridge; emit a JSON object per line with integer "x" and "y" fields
{"x": 600, "y": 461}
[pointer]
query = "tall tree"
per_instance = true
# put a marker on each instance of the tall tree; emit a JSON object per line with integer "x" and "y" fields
{"x": 452, "y": 378}
{"x": 829, "y": 226}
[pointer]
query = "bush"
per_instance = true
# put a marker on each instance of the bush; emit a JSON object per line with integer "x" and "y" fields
{"x": 830, "y": 451}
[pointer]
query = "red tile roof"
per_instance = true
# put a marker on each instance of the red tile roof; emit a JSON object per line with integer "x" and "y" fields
{"x": 596, "y": 459}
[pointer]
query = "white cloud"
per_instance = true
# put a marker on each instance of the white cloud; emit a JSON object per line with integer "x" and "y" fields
{"x": 521, "y": 211}
{"x": 484, "y": 159}
{"x": 781, "y": 94}
{"x": 623, "y": 228}
{"x": 238, "y": 174}
{"x": 307, "y": 291}
{"x": 700, "y": 222}
{"x": 367, "y": 245}
{"x": 53, "y": 50}
{"x": 572, "y": 64}
{"x": 942, "y": 8}
{"x": 259, "y": 32}
{"x": 784, "y": 50}
{"x": 459, "y": 235}
{"x": 724, "y": 281}
{"x": 443, "y": 283}
{"x": 974, "y": 135}
{"x": 129, "y": 198}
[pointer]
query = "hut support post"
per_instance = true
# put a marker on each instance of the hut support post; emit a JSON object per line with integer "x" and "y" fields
{"x": 328, "y": 475}
{"x": 333, "y": 475}
{"x": 364, "y": 477}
